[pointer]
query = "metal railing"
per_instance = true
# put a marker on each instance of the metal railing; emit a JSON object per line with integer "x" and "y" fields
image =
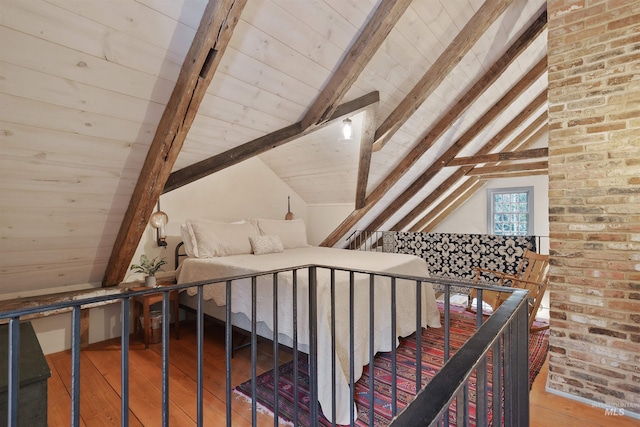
{"x": 504, "y": 334}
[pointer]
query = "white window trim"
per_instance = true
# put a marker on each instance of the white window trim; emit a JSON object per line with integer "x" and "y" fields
{"x": 492, "y": 191}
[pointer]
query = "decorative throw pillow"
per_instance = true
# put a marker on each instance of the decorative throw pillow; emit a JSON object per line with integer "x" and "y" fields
{"x": 266, "y": 245}
{"x": 220, "y": 238}
{"x": 189, "y": 241}
{"x": 293, "y": 233}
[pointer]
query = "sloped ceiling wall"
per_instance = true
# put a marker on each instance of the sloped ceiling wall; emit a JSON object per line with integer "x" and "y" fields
{"x": 83, "y": 84}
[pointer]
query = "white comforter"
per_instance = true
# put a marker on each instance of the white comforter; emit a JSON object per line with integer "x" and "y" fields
{"x": 194, "y": 269}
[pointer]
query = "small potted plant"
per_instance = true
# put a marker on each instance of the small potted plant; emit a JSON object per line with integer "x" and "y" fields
{"x": 149, "y": 268}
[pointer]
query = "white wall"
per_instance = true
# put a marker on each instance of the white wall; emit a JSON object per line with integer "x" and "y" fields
{"x": 54, "y": 332}
{"x": 471, "y": 217}
{"x": 246, "y": 190}
{"x": 325, "y": 218}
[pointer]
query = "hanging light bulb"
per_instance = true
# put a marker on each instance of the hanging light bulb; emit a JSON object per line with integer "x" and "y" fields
{"x": 347, "y": 129}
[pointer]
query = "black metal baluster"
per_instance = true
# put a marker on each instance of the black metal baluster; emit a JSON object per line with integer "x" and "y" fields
{"x": 295, "y": 346}
{"x": 313, "y": 344}
{"x": 13, "y": 380}
{"x": 166, "y": 310}
{"x": 75, "y": 366}
{"x": 371, "y": 346}
{"x": 333, "y": 347}
{"x": 254, "y": 352}
{"x": 200, "y": 356}
{"x": 124, "y": 363}
{"x": 228, "y": 340}
{"x": 351, "y": 346}
{"x": 394, "y": 362}
{"x": 276, "y": 388}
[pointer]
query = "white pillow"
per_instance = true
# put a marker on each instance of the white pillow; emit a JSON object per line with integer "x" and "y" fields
{"x": 293, "y": 233}
{"x": 266, "y": 245}
{"x": 220, "y": 238}
{"x": 189, "y": 241}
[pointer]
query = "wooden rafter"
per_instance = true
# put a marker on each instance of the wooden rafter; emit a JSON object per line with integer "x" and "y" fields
{"x": 261, "y": 145}
{"x": 515, "y": 174}
{"x": 502, "y": 105}
{"x": 499, "y": 157}
{"x": 444, "y": 209}
{"x": 524, "y": 140}
{"x": 446, "y": 62}
{"x": 431, "y": 198}
{"x": 513, "y": 167}
{"x": 439, "y": 129}
{"x": 355, "y": 60}
{"x": 212, "y": 37}
{"x": 366, "y": 146}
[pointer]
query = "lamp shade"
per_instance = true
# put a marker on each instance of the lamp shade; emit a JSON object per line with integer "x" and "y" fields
{"x": 158, "y": 219}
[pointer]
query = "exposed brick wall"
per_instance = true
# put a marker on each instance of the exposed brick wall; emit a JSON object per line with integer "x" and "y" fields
{"x": 594, "y": 199}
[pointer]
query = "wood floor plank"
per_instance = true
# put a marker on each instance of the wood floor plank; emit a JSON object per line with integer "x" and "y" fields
{"x": 183, "y": 358}
{"x": 549, "y": 409}
{"x": 100, "y": 393}
{"x": 59, "y": 398}
{"x": 99, "y": 403}
{"x": 145, "y": 382}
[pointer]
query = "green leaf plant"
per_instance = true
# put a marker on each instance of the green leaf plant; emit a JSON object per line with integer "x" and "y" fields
{"x": 147, "y": 266}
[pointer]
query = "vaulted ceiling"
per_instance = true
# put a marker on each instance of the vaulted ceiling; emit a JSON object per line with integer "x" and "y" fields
{"x": 429, "y": 85}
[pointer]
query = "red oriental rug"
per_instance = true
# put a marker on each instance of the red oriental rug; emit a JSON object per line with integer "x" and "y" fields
{"x": 462, "y": 325}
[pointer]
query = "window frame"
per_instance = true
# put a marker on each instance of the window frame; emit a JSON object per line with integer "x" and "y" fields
{"x": 510, "y": 190}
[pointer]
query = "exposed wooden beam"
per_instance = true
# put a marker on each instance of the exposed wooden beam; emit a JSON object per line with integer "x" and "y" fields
{"x": 446, "y": 62}
{"x": 355, "y": 60}
{"x": 260, "y": 145}
{"x": 513, "y": 167}
{"x": 522, "y": 141}
{"x": 212, "y": 37}
{"x": 497, "y": 109}
{"x": 450, "y": 204}
{"x": 515, "y": 174}
{"x": 366, "y": 144}
{"x": 431, "y": 199}
{"x": 533, "y": 153}
{"x": 496, "y": 70}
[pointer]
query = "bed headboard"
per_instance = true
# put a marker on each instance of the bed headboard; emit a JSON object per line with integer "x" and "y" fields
{"x": 179, "y": 253}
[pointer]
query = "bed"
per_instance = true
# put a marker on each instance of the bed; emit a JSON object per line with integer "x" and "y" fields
{"x": 219, "y": 250}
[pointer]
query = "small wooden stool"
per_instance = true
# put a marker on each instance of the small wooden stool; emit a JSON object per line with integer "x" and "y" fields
{"x": 147, "y": 300}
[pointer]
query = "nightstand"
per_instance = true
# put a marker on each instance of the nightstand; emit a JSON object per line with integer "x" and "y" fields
{"x": 147, "y": 300}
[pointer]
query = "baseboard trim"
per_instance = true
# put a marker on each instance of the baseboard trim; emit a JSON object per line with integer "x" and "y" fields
{"x": 623, "y": 409}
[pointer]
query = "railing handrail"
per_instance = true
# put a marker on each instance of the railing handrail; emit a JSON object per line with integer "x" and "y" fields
{"x": 430, "y": 402}
{"x": 36, "y": 308}
{"x": 427, "y": 410}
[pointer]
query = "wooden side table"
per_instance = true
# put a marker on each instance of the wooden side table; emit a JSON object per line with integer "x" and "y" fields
{"x": 147, "y": 300}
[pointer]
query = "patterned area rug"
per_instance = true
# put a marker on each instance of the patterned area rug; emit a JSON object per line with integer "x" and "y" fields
{"x": 462, "y": 325}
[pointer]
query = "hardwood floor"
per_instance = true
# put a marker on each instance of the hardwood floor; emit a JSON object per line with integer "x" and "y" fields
{"x": 100, "y": 386}
{"x": 100, "y": 382}
{"x": 548, "y": 409}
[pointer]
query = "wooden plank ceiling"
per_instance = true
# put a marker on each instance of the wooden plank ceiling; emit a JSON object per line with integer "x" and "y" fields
{"x": 435, "y": 89}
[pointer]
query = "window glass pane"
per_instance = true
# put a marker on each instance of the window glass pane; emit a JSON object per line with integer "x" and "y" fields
{"x": 509, "y": 212}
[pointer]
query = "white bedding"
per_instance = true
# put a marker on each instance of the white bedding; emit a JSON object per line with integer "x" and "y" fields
{"x": 198, "y": 269}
